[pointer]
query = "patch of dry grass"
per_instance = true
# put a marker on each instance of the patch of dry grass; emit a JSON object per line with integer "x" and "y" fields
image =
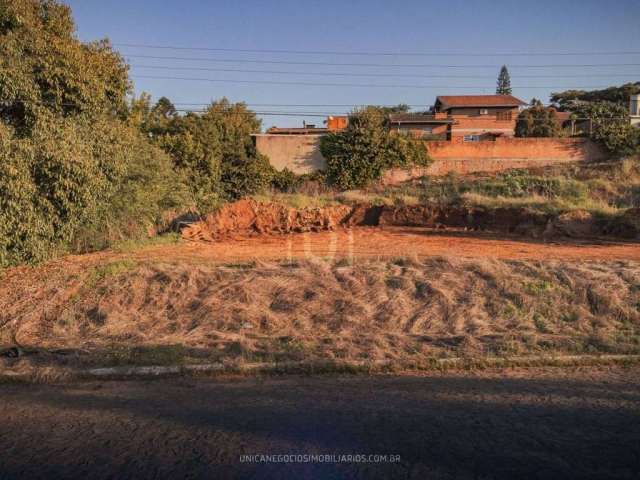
{"x": 541, "y": 203}
{"x": 404, "y": 311}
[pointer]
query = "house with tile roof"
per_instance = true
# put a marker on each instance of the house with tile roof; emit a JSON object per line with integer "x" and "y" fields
{"x": 473, "y": 117}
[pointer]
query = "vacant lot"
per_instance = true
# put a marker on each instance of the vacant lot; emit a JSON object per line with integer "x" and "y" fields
{"x": 534, "y": 423}
{"x": 179, "y": 303}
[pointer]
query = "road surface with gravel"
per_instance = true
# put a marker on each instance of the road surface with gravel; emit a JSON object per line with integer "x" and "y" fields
{"x": 519, "y": 423}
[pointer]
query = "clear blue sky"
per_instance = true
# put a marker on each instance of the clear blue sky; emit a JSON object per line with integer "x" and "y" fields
{"x": 414, "y": 26}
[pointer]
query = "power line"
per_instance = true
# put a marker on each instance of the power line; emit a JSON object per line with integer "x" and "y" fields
{"x": 266, "y": 113}
{"x": 361, "y": 85}
{"x": 373, "y": 75}
{"x": 343, "y": 105}
{"x": 369, "y": 53}
{"x": 384, "y": 65}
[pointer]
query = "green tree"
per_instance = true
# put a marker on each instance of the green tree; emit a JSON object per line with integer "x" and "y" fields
{"x": 212, "y": 149}
{"x": 537, "y": 121}
{"x": 571, "y": 99}
{"x": 608, "y": 124}
{"x": 366, "y": 148}
{"x": 44, "y": 67}
{"x": 504, "y": 82}
{"x": 70, "y": 167}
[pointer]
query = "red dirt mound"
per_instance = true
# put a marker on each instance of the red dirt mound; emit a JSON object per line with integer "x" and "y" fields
{"x": 248, "y": 216}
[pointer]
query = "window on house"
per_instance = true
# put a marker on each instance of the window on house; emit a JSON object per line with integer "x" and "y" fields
{"x": 503, "y": 116}
{"x": 471, "y": 138}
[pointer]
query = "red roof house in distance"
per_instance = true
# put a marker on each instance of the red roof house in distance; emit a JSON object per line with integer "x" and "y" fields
{"x": 477, "y": 117}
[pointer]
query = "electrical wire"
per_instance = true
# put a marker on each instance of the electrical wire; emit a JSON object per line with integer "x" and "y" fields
{"x": 387, "y": 54}
{"x": 382, "y": 65}
{"x": 373, "y": 75}
{"x": 360, "y": 85}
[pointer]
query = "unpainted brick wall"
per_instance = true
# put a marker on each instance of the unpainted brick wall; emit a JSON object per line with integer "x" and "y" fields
{"x": 462, "y": 157}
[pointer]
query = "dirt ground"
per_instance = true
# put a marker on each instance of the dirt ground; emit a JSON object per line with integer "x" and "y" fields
{"x": 387, "y": 242}
{"x": 502, "y": 424}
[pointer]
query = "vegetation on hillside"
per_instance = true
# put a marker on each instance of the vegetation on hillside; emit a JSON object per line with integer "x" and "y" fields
{"x": 605, "y": 190}
{"x": 619, "y": 95}
{"x": 83, "y": 165}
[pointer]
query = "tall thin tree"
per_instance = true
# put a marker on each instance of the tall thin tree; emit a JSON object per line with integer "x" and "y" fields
{"x": 504, "y": 82}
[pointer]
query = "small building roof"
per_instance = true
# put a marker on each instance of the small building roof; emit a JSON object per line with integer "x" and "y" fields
{"x": 297, "y": 131}
{"x": 453, "y": 101}
{"x": 417, "y": 118}
{"x": 562, "y": 116}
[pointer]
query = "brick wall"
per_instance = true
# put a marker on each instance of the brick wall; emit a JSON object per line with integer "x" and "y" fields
{"x": 468, "y": 125}
{"x": 301, "y": 154}
{"x": 502, "y": 154}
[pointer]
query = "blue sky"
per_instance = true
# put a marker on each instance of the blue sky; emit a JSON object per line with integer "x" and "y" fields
{"x": 450, "y": 29}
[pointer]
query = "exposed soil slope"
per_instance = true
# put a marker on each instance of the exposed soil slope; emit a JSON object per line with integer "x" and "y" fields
{"x": 251, "y": 217}
{"x": 248, "y": 216}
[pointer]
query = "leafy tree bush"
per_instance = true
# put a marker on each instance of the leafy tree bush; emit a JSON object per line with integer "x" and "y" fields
{"x": 213, "y": 149}
{"x": 70, "y": 168}
{"x": 285, "y": 180}
{"x": 610, "y": 126}
{"x": 145, "y": 197}
{"x": 366, "y": 148}
{"x": 44, "y": 67}
{"x": 619, "y": 95}
{"x": 608, "y": 114}
{"x": 537, "y": 121}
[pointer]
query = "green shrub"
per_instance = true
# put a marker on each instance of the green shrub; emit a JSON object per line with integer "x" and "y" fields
{"x": 212, "y": 150}
{"x": 285, "y": 180}
{"x": 362, "y": 152}
{"x": 80, "y": 185}
{"x": 537, "y": 121}
{"x": 610, "y": 126}
{"x": 242, "y": 177}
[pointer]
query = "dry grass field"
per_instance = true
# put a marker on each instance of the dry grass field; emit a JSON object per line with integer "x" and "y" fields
{"x": 180, "y": 303}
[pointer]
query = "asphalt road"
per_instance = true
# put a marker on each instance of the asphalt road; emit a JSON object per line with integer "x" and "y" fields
{"x": 512, "y": 424}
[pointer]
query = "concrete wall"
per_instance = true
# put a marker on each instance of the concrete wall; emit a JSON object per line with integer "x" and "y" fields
{"x": 301, "y": 154}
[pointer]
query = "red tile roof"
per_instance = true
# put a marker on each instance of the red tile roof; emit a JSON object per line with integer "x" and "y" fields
{"x": 563, "y": 116}
{"x": 450, "y": 101}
